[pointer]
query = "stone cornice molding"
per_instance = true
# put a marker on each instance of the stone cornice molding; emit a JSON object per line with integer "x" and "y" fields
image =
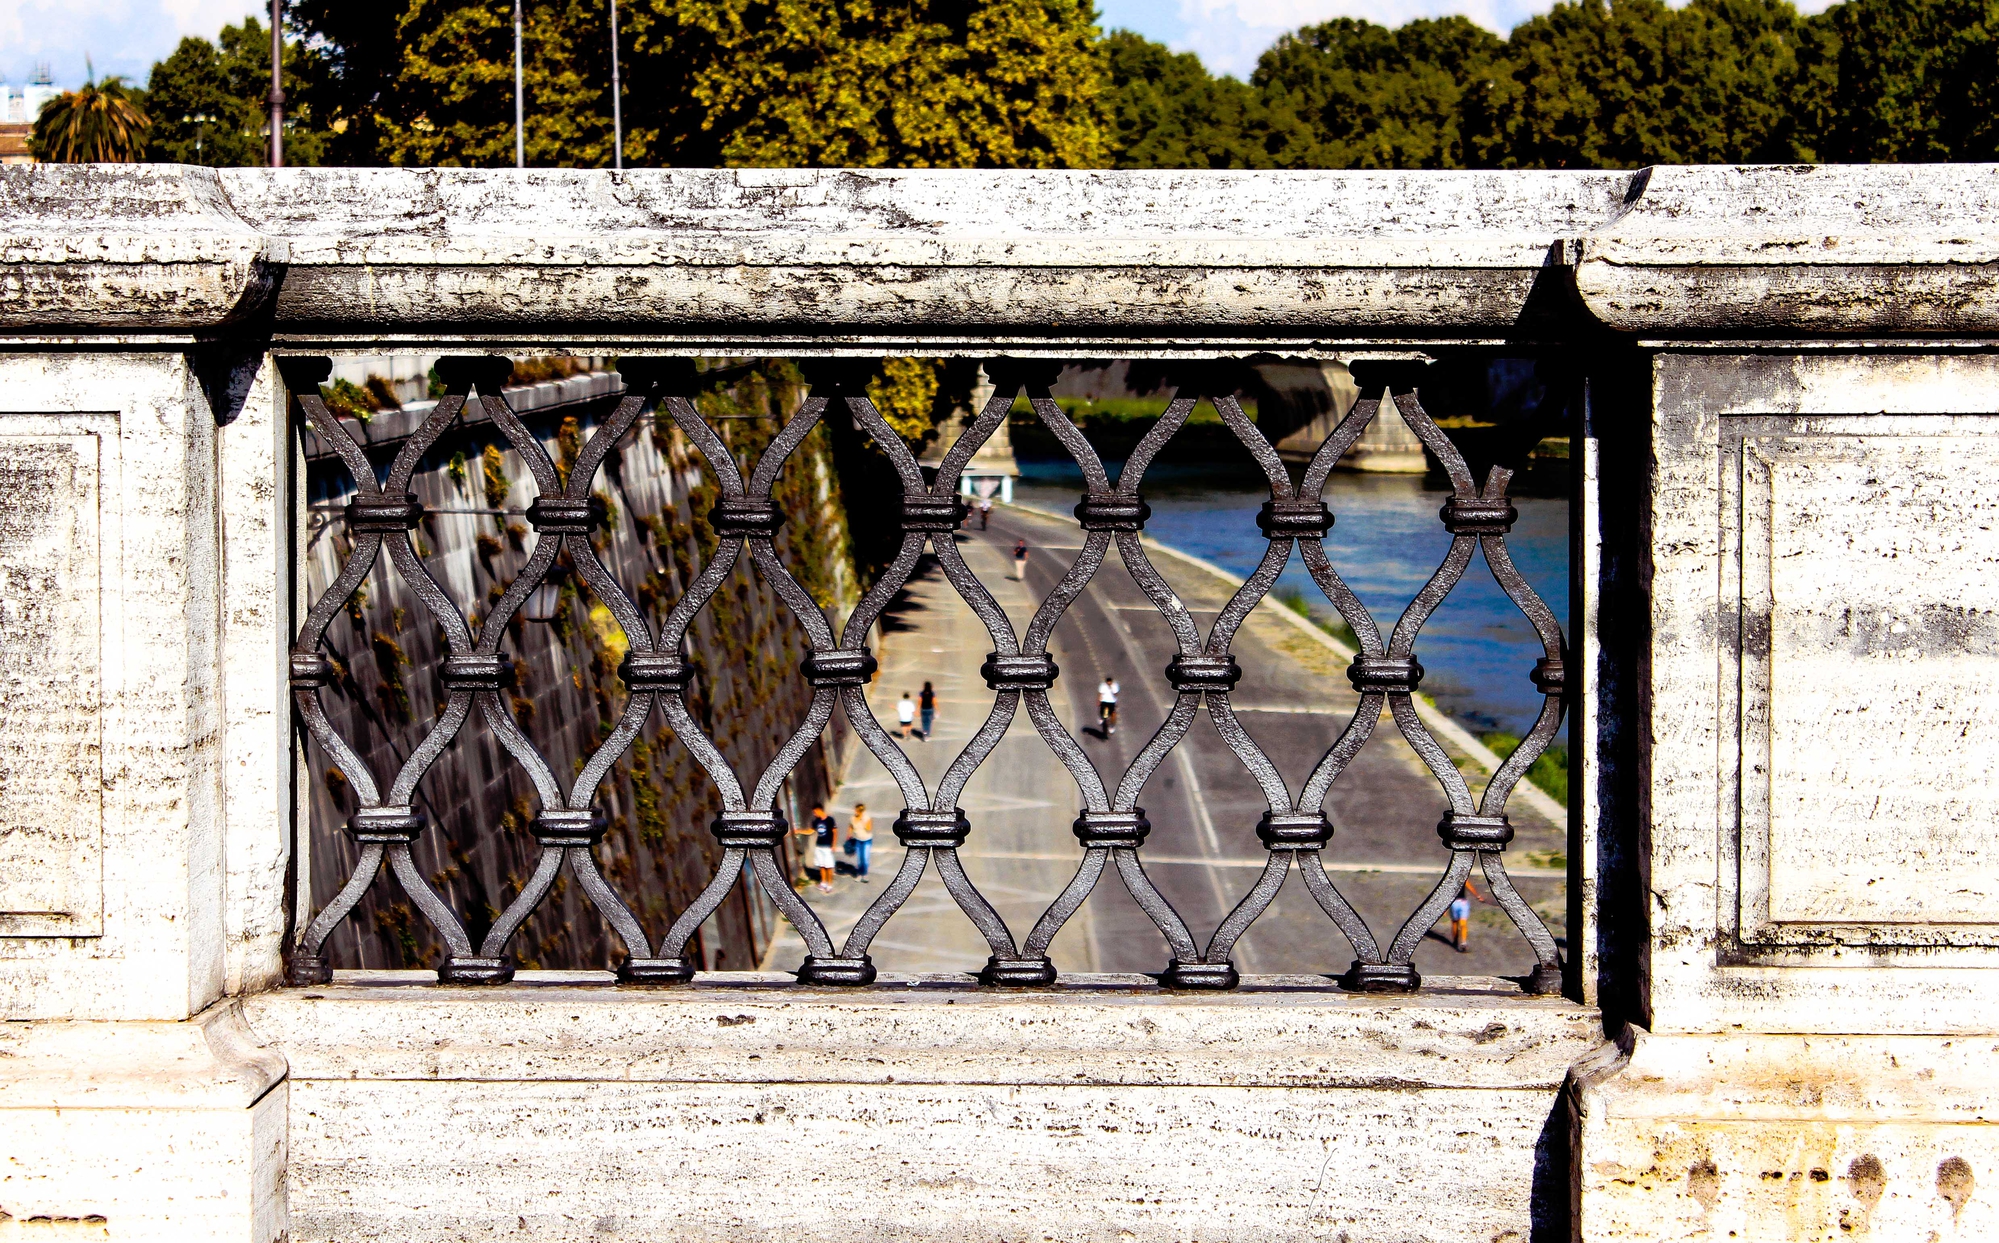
{"x": 959, "y": 257}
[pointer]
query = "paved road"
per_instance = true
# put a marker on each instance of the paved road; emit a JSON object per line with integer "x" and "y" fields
{"x": 1203, "y": 853}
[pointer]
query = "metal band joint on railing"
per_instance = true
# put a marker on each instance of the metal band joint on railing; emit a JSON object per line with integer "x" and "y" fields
{"x": 1467, "y": 832}
{"x": 1385, "y": 675}
{"x": 1295, "y": 519}
{"x": 378, "y": 514}
{"x": 1113, "y": 829}
{"x": 932, "y": 828}
{"x": 1549, "y": 676}
{"x": 1018, "y": 972}
{"x": 1479, "y": 517}
{"x": 563, "y": 826}
{"x": 844, "y": 972}
{"x": 388, "y": 825}
{"x": 750, "y": 830}
{"x": 1110, "y": 511}
{"x": 560, "y": 515}
{"x": 1201, "y": 975}
{"x": 1380, "y": 977}
{"x": 840, "y": 667}
{"x": 311, "y": 669}
{"x": 1294, "y": 830}
{"x": 745, "y": 519}
{"x": 1035, "y": 672}
{"x": 476, "y": 673}
{"x": 655, "y": 673}
{"x": 1217, "y": 674}
{"x": 922, "y": 511}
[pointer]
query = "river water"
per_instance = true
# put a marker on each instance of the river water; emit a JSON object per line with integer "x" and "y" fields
{"x": 1477, "y": 649}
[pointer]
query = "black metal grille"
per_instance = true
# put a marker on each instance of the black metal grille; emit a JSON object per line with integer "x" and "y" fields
{"x": 1111, "y": 828}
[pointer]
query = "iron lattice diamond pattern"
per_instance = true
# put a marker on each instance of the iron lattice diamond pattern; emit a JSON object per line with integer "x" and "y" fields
{"x": 1111, "y": 828}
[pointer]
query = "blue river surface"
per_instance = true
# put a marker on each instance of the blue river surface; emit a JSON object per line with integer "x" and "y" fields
{"x": 1477, "y": 649}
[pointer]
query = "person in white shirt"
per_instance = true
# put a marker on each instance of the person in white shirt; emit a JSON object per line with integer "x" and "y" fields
{"x": 905, "y": 713}
{"x": 1107, "y": 691}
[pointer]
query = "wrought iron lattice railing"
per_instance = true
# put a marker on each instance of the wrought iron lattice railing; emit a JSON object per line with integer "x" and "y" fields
{"x": 1111, "y": 828}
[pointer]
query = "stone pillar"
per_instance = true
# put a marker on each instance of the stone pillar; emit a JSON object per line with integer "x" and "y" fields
{"x": 1812, "y": 773}
{"x": 145, "y": 807}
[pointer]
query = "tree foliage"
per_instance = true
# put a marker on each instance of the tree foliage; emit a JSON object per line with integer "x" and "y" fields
{"x": 1913, "y": 80}
{"x": 1033, "y": 84}
{"x": 1590, "y": 84}
{"x": 228, "y": 82}
{"x": 903, "y": 83}
{"x": 98, "y": 123}
{"x": 1350, "y": 94}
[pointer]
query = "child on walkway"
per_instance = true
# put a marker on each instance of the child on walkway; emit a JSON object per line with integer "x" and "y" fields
{"x": 905, "y": 714}
{"x": 861, "y": 832}
{"x": 1020, "y": 561}
{"x": 1461, "y": 917}
{"x": 823, "y": 828}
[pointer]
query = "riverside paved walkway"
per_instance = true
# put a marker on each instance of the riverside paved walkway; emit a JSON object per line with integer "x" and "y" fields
{"x": 1203, "y": 852}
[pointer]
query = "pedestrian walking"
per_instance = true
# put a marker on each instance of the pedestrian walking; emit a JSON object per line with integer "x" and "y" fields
{"x": 985, "y": 512}
{"x": 1461, "y": 917}
{"x": 928, "y": 702}
{"x": 823, "y": 829}
{"x": 905, "y": 714}
{"x": 1020, "y": 561}
{"x": 861, "y": 835}
{"x": 1107, "y": 693}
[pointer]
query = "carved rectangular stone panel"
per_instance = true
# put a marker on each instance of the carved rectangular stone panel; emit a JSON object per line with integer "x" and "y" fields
{"x": 1869, "y": 683}
{"x": 51, "y": 781}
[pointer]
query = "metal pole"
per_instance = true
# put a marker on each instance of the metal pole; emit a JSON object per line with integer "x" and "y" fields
{"x": 520, "y": 135}
{"x": 277, "y": 83}
{"x": 617, "y": 103}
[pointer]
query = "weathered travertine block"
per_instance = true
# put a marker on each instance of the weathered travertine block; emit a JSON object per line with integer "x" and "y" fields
{"x": 939, "y": 1111}
{"x": 112, "y": 744}
{"x": 1823, "y": 769}
{"x": 1791, "y": 1137}
{"x": 166, "y": 1131}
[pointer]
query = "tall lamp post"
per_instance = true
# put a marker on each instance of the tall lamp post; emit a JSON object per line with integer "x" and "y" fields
{"x": 617, "y": 101}
{"x": 520, "y": 131}
{"x": 277, "y": 83}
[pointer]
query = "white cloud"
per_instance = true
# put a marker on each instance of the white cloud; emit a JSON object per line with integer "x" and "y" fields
{"x": 118, "y": 36}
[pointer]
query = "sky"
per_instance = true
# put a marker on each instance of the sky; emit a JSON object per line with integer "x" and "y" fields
{"x": 126, "y": 36}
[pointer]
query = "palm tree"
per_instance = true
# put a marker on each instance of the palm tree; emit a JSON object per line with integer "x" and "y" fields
{"x": 99, "y": 123}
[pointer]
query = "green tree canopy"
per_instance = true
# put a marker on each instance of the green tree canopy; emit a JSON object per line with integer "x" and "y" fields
{"x": 1632, "y": 82}
{"x": 904, "y": 83}
{"x": 1358, "y": 95}
{"x": 228, "y": 82}
{"x": 1915, "y": 80}
{"x": 1162, "y": 109}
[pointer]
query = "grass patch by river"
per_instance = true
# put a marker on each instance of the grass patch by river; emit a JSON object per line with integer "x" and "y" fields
{"x": 1116, "y": 424}
{"x": 1549, "y": 771}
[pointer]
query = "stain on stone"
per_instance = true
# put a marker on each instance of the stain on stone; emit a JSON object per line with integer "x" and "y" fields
{"x": 1492, "y": 1032}
{"x": 1704, "y": 1184}
{"x": 1954, "y": 1183}
{"x": 723, "y": 1020}
{"x": 1865, "y": 1179}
